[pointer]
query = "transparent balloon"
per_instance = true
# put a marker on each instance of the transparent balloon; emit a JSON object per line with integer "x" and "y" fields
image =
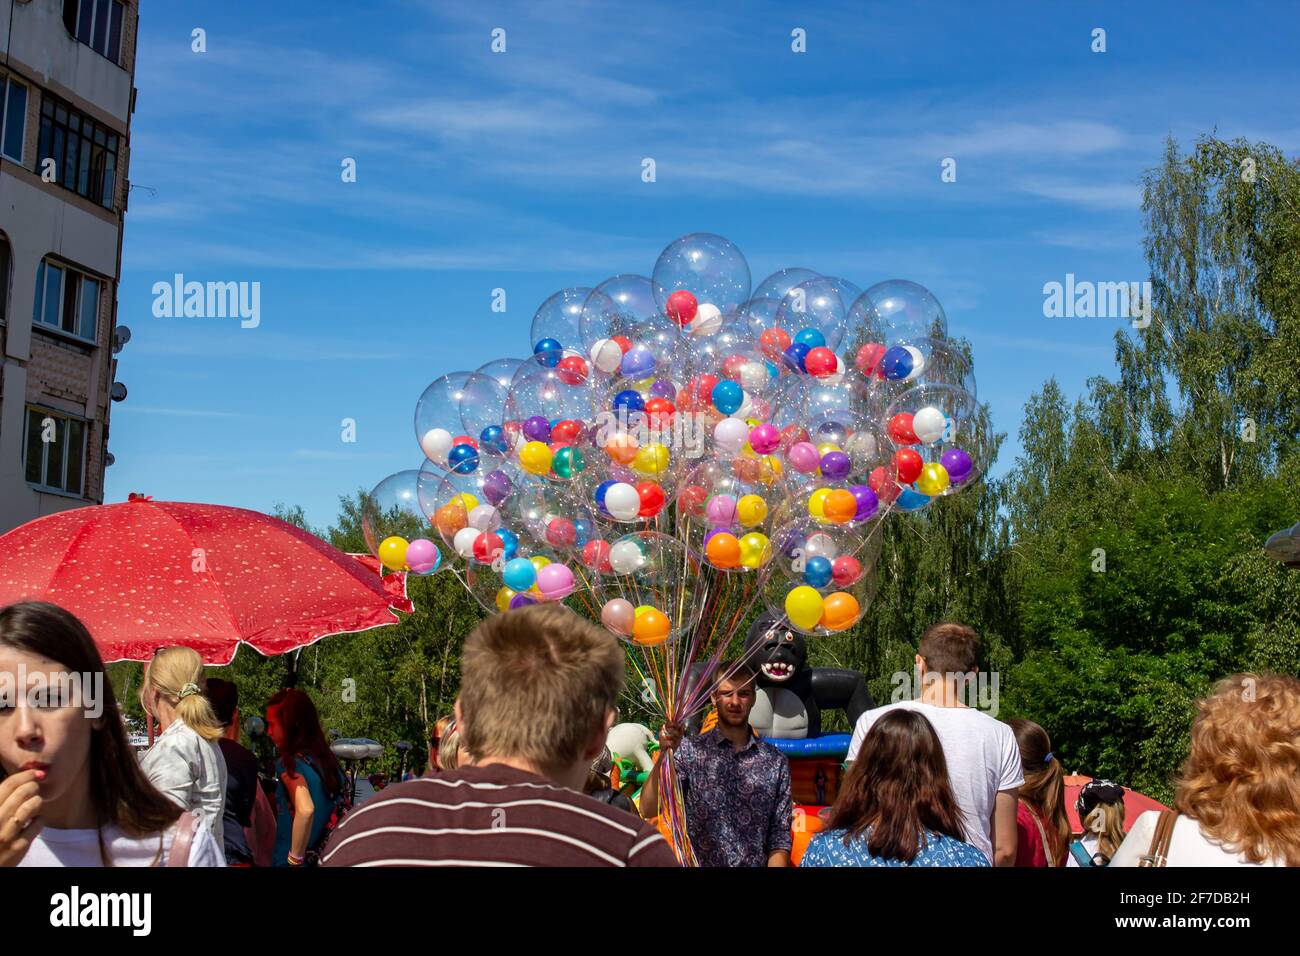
{"x": 438, "y": 427}
{"x": 396, "y": 530}
{"x": 940, "y": 438}
{"x": 896, "y": 312}
{"x": 553, "y": 409}
{"x": 641, "y": 583}
{"x": 824, "y": 577}
{"x": 815, "y": 318}
{"x": 551, "y": 516}
{"x": 556, "y": 323}
{"x": 483, "y": 410}
{"x": 637, "y": 493}
{"x": 726, "y": 507}
{"x": 779, "y": 283}
{"x": 698, "y": 280}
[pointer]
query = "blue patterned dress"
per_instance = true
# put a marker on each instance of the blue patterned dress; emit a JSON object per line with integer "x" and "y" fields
{"x": 828, "y": 849}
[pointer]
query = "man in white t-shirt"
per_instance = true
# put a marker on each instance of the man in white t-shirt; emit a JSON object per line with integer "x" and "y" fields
{"x": 983, "y": 758}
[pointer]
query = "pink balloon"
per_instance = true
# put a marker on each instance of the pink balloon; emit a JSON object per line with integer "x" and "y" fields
{"x": 555, "y": 581}
{"x": 764, "y": 439}
{"x": 422, "y": 556}
{"x": 617, "y": 615}
{"x": 803, "y": 457}
{"x": 721, "y": 511}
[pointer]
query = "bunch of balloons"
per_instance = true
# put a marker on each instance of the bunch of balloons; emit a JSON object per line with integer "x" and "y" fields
{"x": 666, "y": 431}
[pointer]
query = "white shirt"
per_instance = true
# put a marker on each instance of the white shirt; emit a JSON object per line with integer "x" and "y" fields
{"x": 81, "y": 848}
{"x": 1188, "y": 846}
{"x": 191, "y": 772}
{"x": 982, "y": 755}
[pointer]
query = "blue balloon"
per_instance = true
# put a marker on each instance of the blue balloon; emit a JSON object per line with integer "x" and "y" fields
{"x": 509, "y": 543}
{"x": 812, "y": 338}
{"x": 494, "y": 437}
{"x": 910, "y": 500}
{"x": 896, "y": 363}
{"x": 795, "y": 354}
{"x": 583, "y": 528}
{"x": 816, "y": 572}
{"x": 638, "y": 363}
{"x": 599, "y": 495}
{"x": 728, "y": 396}
{"x": 463, "y": 459}
{"x": 550, "y": 352}
{"x": 519, "y": 574}
{"x": 630, "y": 400}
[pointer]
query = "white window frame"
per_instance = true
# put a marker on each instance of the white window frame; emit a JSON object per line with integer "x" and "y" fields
{"x": 69, "y": 272}
{"x": 60, "y": 418}
{"x": 5, "y": 82}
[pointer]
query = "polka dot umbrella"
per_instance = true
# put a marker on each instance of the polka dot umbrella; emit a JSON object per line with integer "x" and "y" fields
{"x": 146, "y": 574}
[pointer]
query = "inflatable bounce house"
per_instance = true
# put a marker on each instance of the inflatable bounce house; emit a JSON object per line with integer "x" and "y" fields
{"x": 791, "y": 698}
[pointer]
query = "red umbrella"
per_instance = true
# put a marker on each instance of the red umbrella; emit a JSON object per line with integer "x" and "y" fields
{"x": 1135, "y": 804}
{"x": 147, "y": 574}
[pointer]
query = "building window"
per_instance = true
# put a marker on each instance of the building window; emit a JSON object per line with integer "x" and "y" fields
{"x": 66, "y": 299}
{"x": 84, "y": 152}
{"x": 96, "y": 23}
{"x": 56, "y": 451}
{"x": 13, "y": 118}
{"x": 4, "y": 277}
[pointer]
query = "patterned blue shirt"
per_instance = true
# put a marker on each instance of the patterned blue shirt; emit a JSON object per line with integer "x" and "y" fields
{"x": 827, "y": 849}
{"x": 738, "y": 803}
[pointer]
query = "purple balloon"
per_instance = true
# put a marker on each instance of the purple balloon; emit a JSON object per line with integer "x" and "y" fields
{"x": 959, "y": 465}
{"x": 537, "y": 428}
{"x": 521, "y": 600}
{"x": 497, "y": 487}
{"x": 835, "y": 465}
{"x": 638, "y": 363}
{"x": 867, "y": 502}
{"x": 662, "y": 388}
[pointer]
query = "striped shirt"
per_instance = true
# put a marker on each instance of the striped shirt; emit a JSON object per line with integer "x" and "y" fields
{"x": 492, "y": 816}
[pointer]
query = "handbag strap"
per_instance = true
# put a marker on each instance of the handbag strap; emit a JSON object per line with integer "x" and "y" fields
{"x": 179, "y": 854}
{"x": 1042, "y": 834}
{"x": 1158, "y": 853}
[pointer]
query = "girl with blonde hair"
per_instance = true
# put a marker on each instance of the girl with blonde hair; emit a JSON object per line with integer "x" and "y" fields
{"x": 185, "y": 762}
{"x": 1238, "y": 796}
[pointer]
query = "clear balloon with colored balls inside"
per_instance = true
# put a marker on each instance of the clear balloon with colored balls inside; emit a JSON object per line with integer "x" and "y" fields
{"x": 937, "y": 448}
{"x": 483, "y": 410}
{"x": 897, "y": 312}
{"x": 552, "y": 516}
{"x": 725, "y": 507}
{"x": 641, "y": 586}
{"x": 624, "y": 334}
{"x": 461, "y": 507}
{"x": 396, "y": 529}
{"x": 823, "y": 578}
{"x": 700, "y": 280}
{"x": 638, "y": 493}
{"x": 556, "y": 324}
{"x": 553, "y": 408}
{"x": 814, "y": 319}
{"x": 438, "y": 427}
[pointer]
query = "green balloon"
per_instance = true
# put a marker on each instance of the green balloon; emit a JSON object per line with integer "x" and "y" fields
{"x": 568, "y": 462}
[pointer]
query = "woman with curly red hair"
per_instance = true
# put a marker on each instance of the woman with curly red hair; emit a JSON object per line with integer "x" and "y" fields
{"x": 1238, "y": 797}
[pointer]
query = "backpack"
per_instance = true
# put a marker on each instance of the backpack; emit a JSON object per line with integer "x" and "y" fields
{"x": 342, "y": 806}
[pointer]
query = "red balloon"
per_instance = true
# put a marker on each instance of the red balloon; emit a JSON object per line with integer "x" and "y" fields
{"x": 513, "y": 430}
{"x": 884, "y": 482}
{"x": 464, "y": 440}
{"x": 595, "y": 555}
{"x": 488, "y": 547}
{"x": 659, "y": 412}
{"x": 692, "y": 499}
{"x": 652, "y": 499}
{"x": 820, "y": 362}
{"x": 747, "y": 469}
{"x": 868, "y": 359}
{"x": 901, "y": 430}
{"x": 572, "y": 370}
{"x": 561, "y": 533}
{"x": 623, "y": 342}
{"x": 732, "y": 365}
{"x": 845, "y": 570}
{"x": 907, "y": 464}
{"x": 567, "y": 432}
{"x": 774, "y": 342}
{"x": 682, "y": 306}
{"x": 704, "y": 386}
{"x": 792, "y": 435}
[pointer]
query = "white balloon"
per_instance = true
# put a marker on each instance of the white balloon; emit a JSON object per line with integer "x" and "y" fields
{"x": 607, "y": 356}
{"x": 625, "y": 557}
{"x": 485, "y": 518}
{"x": 436, "y": 443}
{"x": 707, "y": 321}
{"x": 821, "y": 545}
{"x": 753, "y": 375}
{"x": 929, "y": 424}
{"x": 464, "y": 541}
{"x": 746, "y": 405}
{"x": 862, "y": 447}
{"x": 918, "y": 362}
{"x": 837, "y": 376}
{"x": 622, "y": 502}
{"x": 730, "y": 434}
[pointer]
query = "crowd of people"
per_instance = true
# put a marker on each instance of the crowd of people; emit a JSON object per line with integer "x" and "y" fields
{"x": 519, "y": 775}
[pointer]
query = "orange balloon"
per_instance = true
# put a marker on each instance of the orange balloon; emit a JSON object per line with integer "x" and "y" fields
{"x": 840, "y": 506}
{"x": 839, "y": 611}
{"x": 622, "y": 448}
{"x": 723, "y": 550}
{"x": 449, "y": 519}
{"x": 651, "y": 627}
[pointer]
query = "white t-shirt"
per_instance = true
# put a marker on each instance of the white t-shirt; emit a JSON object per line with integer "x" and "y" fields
{"x": 191, "y": 772}
{"x": 81, "y": 848}
{"x": 1187, "y": 847}
{"x": 982, "y": 754}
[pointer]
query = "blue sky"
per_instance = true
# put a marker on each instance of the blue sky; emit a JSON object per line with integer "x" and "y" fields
{"x": 522, "y": 171}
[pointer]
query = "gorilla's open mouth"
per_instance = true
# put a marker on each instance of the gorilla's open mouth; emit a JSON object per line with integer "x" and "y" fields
{"x": 776, "y": 670}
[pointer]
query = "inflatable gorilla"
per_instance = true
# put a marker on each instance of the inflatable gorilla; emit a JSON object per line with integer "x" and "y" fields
{"x": 792, "y": 695}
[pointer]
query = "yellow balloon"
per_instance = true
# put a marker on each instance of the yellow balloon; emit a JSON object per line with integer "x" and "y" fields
{"x": 803, "y": 606}
{"x": 468, "y": 500}
{"x": 933, "y": 479}
{"x": 503, "y": 598}
{"x": 751, "y": 510}
{"x": 826, "y": 446}
{"x": 651, "y": 459}
{"x": 392, "y": 553}
{"x": 539, "y": 561}
{"x": 817, "y": 503}
{"x": 755, "y": 550}
{"x": 535, "y": 458}
{"x": 771, "y": 470}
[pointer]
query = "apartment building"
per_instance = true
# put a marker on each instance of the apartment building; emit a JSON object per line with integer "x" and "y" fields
{"x": 67, "y": 70}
